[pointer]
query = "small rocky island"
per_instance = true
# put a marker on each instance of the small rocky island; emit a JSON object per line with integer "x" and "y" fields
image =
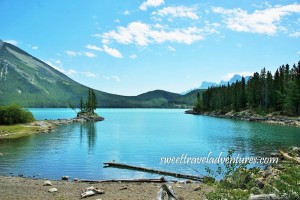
{"x": 86, "y": 114}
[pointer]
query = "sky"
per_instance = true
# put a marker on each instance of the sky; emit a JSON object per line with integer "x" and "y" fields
{"x": 129, "y": 47}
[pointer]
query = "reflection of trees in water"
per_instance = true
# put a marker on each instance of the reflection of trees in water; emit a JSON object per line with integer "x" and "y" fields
{"x": 88, "y": 129}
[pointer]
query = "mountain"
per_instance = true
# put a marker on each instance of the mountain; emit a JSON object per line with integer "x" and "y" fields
{"x": 30, "y": 82}
{"x": 205, "y": 85}
{"x": 236, "y": 77}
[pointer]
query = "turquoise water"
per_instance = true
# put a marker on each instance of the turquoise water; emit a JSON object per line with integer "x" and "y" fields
{"x": 138, "y": 137}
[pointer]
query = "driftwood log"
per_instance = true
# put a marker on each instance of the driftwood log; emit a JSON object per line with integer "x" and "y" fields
{"x": 166, "y": 190}
{"x": 287, "y": 156}
{"x": 90, "y": 191}
{"x": 142, "y": 180}
{"x": 131, "y": 167}
{"x": 265, "y": 197}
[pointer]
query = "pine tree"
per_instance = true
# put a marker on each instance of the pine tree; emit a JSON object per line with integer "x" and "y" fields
{"x": 81, "y": 104}
{"x": 243, "y": 98}
{"x": 197, "y": 106}
{"x": 94, "y": 100}
{"x": 270, "y": 92}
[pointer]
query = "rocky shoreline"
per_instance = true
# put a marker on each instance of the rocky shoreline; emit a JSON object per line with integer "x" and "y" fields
{"x": 45, "y": 126}
{"x": 247, "y": 115}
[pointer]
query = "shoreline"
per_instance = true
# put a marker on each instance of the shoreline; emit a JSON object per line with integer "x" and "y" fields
{"x": 25, "y": 188}
{"x": 246, "y": 115}
{"x": 40, "y": 126}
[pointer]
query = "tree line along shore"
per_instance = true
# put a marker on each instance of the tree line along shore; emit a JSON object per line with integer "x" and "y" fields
{"x": 264, "y": 97}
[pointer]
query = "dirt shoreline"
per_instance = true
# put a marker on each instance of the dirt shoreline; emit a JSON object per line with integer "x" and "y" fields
{"x": 25, "y": 188}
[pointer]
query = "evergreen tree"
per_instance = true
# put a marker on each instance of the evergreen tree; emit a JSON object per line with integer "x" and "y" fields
{"x": 81, "y": 104}
{"x": 197, "y": 106}
{"x": 91, "y": 103}
{"x": 243, "y": 98}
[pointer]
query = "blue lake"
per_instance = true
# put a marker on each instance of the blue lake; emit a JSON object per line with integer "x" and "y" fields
{"x": 137, "y": 137}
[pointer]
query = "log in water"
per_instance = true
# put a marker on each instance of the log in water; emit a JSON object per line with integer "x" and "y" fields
{"x": 154, "y": 171}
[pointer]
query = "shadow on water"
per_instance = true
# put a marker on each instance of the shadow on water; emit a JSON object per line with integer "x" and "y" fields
{"x": 88, "y": 129}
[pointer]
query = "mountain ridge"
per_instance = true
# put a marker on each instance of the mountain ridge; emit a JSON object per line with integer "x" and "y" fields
{"x": 30, "y": 82}
{"x": 233, "y": 79}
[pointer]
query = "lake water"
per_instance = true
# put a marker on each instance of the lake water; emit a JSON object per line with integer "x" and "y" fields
{"x": 137, "y": 137}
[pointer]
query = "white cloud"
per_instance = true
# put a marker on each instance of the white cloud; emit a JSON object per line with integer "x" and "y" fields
{"x": 228, "y": 76}
{"x": 90, "y": 55}
{"x": 143, "y": 34}
{"x": 113, "y": 52}
{"x": 298, "y": 52}
{"x": 260, "y": 21}
{"x": 97, "y": 35}
{"x": 180, "y": 11}
{"x": 59, "y": 68}
{"x": 35, "y": 47}
{"x": 13, "y": 42}
{"x": 89, "y": 74}
{"x": 117, "y": 21}
{"x": 94, "y": 47}
{"x": 126, "y": 12}
{"x": 151, "y": 3}
{"x": 72, "y": 53}
{"x": 116, "y": 78}
{"x": 133, "y": 56}
{"x": 58, "y": 62}
{"x": 87, "y": 54}
{"x": 171, "y": 48}
{"x": 295, "y": 34}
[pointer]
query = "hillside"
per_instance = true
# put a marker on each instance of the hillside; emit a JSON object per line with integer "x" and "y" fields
{"x": 30, "y": 82}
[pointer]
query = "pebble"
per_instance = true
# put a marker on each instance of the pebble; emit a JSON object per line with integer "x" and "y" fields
{"x": 52, "y": 190}
{"x": 1, "y": 154}
{"x": 66, "y": 178}
{"x": 90, "y": 188}
{"x": 47, "y": 183}
{"x": 197, "y": 188}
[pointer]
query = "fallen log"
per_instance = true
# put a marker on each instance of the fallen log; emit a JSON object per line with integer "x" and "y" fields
{"x": 142, "y": 180}
{"x": 131, "y": 167}
{"x": 287, "y": 156}
{"x": 265, "y": 197}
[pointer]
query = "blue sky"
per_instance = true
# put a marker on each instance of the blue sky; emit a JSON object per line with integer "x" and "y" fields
{"x": 129, "y": 47}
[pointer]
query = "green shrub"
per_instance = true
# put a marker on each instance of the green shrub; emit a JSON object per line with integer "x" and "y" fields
{"x": 14, "y": 114}
{"x": 288, "y": 183}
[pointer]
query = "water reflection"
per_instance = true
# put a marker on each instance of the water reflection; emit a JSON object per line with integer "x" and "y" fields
{"x": 89, "y": 129}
